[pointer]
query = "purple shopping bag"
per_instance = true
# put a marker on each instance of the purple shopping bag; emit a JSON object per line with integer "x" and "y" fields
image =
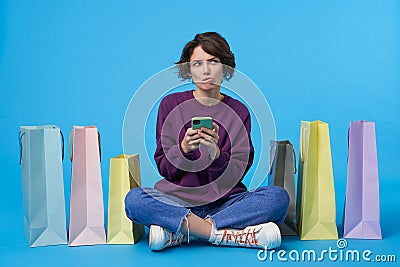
{"x": 362, "y": 212}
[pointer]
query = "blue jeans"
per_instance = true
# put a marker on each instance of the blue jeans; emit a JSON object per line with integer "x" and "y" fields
{"x": 264, "y": 204}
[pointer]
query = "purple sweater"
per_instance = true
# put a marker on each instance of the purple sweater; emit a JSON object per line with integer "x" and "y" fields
{"x": 194, "y": 177}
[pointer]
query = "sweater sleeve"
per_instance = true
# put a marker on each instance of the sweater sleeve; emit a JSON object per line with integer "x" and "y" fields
{"x": 168, "y": 155}
{"x": 234, "y": 163}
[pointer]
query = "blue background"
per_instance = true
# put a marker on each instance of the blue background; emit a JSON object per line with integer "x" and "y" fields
{"x": 79, "y": 63}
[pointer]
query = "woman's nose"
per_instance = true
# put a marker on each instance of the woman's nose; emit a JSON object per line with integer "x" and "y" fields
{"x": 206, "y": 70}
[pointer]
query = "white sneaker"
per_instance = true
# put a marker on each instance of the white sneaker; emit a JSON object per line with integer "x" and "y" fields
{"x": 160, "y": 238}
{"x": 266, "y": 236}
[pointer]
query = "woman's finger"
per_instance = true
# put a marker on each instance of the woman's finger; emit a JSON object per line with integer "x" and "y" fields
{"x": 195, "y": 141}
{"x": 208, "y": 141}
{"x": 192, "y": 137}
{"x": 210, "y": 134}
{"x": 207, "y": 131}
{"x": 190, "y": 132}
{"x": 216, "y": 127}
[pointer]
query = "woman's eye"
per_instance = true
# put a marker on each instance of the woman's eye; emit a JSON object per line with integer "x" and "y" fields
{"x": 196, "y": 63}
{"x": 214, "y": 61}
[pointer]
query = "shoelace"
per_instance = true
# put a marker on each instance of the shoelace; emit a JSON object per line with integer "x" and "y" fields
{"x": 180, "y": 237}
{"x": 241, "y": 238}
{"x": 176, "y": 239}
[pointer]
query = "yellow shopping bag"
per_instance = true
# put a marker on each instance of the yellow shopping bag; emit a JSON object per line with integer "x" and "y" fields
{"x": 316, "y": 193}
{"x": 124, "y": 175}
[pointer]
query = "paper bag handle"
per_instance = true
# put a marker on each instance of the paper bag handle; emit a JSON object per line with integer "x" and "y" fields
{"x": 21, "y": 134}
{"x": 348, "y": 144}
{"x": 98, "y": 134}
{"x": 71, "y": 146}
{"x": 62, "y": 146}
{"x": 70, "y": 150}
{"x": 302, "y": 143}
{"x": 272, "y": 151}
{"x": 294, "y": 161}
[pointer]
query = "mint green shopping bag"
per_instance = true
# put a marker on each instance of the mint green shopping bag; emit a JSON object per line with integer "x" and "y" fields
{"x": 42, "y": 182}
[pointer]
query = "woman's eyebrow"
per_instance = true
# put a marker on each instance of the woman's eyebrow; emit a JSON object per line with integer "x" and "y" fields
{"x": 212, "y": 58}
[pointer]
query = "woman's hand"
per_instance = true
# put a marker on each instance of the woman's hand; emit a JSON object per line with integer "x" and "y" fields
{"x": 191, "y": 141}
{"x": 210, "y": 139}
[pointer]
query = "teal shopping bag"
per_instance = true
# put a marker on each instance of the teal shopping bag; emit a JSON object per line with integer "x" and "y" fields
{"x": 42, "y": 183}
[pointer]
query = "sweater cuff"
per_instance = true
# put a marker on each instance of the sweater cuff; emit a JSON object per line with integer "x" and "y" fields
{"x": 190, "y": 156}
{"x": 219, "y": 162}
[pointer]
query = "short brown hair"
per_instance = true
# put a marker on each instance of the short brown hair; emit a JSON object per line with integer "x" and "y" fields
{"x": 212, "y": 43}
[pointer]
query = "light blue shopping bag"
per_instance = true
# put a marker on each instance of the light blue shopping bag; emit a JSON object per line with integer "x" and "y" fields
{"x": 42, "y": 183}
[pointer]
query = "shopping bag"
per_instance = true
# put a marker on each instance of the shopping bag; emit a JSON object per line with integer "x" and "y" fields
{"x": 316, "y": 193}
{"x": 362, "y": 211}
{"x": 86, "y": 224}
{"x": 282, "y": 171}
{"x": 124, "y": 175}
{"x": 43, "y": 186}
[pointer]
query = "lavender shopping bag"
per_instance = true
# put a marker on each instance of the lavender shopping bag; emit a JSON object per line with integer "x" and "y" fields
{"x": 362, "y": 212}
{"x": 86, "y": 226}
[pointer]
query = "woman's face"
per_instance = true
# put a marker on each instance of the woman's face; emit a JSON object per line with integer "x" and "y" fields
{"x": 206, "y": 70}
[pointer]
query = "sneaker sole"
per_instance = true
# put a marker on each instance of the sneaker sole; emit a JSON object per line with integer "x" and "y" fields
{"x": 276, "y": 233}
{"x": 155, "y": 243}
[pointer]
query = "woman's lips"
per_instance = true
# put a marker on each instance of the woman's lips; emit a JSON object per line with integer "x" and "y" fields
{"x": 208, "y": 80}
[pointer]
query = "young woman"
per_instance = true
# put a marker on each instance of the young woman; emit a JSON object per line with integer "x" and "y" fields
{"x": 201, "y": 195}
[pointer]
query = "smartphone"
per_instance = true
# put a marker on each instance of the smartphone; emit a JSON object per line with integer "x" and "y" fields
{"x": 198, "y": 122}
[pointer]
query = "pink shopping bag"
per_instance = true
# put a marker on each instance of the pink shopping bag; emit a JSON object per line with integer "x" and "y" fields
{"x": 362, "y": 211}
{"x": 86, "y": 224}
